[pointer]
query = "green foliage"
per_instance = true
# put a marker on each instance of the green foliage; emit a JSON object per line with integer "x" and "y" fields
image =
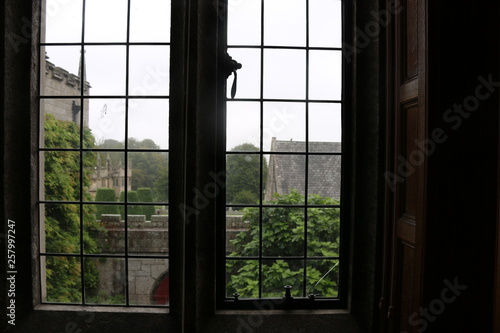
{"x": 146, "y": 195}
{"x": 283, "y": 232}
{"x": 243, "y": 175}
{"x": 131, "y": 209}
{"x": 107, "y": 195}
{"x": 62, "y": 221}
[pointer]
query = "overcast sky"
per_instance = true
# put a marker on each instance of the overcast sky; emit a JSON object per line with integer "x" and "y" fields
{"x": 284, "y": 70}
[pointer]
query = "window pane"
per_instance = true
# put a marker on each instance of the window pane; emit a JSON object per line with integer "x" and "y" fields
{"x": 149, "y": 70}
{"x": 61, "y": 175}
{"x": 61, "y": 123}
{"x": 62, "y": 228}
{"x": 105, "y": 281}
{"x": 283, "y": 231}
{"x": 325, "y": 175}
{"x": 67, "y": 14}
{"x": 148, "y": 121}
{"x": 148, "y": 282}
{"x": 242, "y": 277}
{"x": 325, "y": 75}
{"x": 243, "y": 22}
{"x": 285, "y": 22}
{"x": 106, "y": 121}
{"x": 105, "y": 21}
{"x": 325, "y": 23}
{"x": 323, "y": 228}
{"x": 322, "y": 278}
{"x": 284, "y": 125}
{"x": 62, "y": 279}
{"x": 284, "y": 74}
{"x": 243, "y": 126}
{"x": 157, "y": 15}
{"x": 248, "y": 83}
{"x": 105, "y": 232}
{"x": 62, "y": 75}
{"x": 242, "y": 232}
{"x": 105, "y": 67}
{"x": 276, "y": 274}
{"x": 286, "y": 175}
{"x": 243, "y": 178}
{"x": 325, "y": 127}
{"x": 147, "y": 232}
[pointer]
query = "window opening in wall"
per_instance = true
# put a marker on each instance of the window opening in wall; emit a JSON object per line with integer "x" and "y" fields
{"x": 103, "y": 152}
{"x": 284, "y": 151}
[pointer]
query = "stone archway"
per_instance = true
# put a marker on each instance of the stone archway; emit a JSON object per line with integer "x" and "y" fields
{"x": 160, "y": 294}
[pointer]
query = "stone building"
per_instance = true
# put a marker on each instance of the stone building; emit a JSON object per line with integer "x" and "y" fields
{"x": 107, "y": 175}
{"x": 60, "y": 82}
{"x": 287, "y": 172}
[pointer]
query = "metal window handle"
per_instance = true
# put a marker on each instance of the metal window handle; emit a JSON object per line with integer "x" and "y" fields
{"x": 230, "y": 66}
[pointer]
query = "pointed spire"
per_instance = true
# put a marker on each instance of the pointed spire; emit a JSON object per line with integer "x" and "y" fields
{"x": 82, "y": 70}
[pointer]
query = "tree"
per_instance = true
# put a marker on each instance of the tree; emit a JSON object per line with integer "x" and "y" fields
{"x": 131, "y": 209}
{"x": 62, "y": 221}
{"x": 146, "y": 195}
{"x": 243, "y": 175}
{"x": 108, "y": 195}
{"x": 283, "y": 236}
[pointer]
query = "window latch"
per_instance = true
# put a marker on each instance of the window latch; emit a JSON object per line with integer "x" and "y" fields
{"x": 230, "y": 66}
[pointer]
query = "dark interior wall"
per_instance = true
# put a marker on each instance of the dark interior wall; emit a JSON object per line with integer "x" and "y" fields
{"x": 462, "y": 183}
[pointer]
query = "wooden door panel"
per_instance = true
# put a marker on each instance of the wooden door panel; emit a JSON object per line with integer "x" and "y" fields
{"x": 407, "y": 63}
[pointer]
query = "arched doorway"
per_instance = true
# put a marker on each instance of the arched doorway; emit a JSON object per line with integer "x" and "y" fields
{"x": 161, "y": 294}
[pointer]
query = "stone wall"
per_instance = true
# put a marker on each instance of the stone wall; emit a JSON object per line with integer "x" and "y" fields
{"x": 144, "y": 238}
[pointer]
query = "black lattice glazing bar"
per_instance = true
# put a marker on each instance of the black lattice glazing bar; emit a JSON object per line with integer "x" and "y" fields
{"x": 259, "y": 213}
{"x": 75, "y": 209}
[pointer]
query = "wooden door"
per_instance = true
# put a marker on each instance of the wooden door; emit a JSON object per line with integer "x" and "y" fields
{"x": 406, "y": 176}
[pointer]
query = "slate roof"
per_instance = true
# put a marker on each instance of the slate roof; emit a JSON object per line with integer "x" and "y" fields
{"x": 287, "y": 171}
